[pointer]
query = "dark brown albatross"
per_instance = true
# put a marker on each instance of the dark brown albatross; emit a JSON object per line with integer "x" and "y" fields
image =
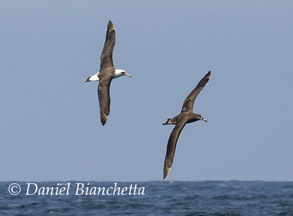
{"x": 107, "y": 73}
{"x": 186, "y": 116}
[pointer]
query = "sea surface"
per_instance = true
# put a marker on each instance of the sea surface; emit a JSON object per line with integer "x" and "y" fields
{"x": 201, "y": 198}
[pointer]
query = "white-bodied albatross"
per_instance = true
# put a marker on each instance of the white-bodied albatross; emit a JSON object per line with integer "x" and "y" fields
{"x": 186, "y": 116}
{"x": 107, "y": 73}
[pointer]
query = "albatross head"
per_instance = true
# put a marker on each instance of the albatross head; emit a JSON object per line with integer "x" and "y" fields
{"x": 196, "y": 117}
{"x": 202, "y": 118}
{"x": 120, "y": 72}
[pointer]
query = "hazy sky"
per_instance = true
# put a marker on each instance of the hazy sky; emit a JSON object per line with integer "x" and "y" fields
{"x": 49, "y": 120}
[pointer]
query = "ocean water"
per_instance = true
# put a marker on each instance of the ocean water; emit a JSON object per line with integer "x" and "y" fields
{"x": 199, "y": 198}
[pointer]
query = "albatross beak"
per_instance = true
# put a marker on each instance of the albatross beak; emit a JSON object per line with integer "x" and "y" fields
{"x": 204, "y": 119}
{"x": 126, "y": 74}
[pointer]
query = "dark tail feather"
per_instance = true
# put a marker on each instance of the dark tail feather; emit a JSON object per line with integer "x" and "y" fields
{"x": 167, "y": 122}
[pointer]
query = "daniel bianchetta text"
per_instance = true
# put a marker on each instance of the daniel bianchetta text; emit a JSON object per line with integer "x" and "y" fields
{"x": 78, "y": 189}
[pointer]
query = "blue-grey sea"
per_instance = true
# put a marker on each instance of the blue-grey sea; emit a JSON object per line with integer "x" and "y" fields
{"x": 201, "y": 198}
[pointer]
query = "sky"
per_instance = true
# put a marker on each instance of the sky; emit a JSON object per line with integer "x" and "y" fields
{"x": 49, "y": 120}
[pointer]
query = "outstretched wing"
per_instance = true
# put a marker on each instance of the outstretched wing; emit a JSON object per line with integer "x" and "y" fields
{"x": 172, "y": 142}
{"x": 189, "y": 101}
{"x": 104, "y": 97}
{"x": 106, "y": 57}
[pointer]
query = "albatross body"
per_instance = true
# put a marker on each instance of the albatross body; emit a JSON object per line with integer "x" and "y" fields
{"x": 186, "y": 116}
{"x": 107, "y": 73}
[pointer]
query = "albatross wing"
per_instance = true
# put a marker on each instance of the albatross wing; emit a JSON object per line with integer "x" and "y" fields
{"x": 106, "y": 57}
{"x": 172, "y": 142}
{"x": 189, "y": 101}
{"x": 104, "y": 98}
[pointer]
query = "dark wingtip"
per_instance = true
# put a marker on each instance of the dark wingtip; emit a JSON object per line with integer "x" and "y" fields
{"x": 104, "y": 119}
{"x": 208, "y": 74}
{"x": 110, "y": 25}
{"x": 166, "y": 172}
{"x": 164, "y": 177}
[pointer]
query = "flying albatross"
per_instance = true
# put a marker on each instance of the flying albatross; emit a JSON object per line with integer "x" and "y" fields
{"x": 186, "y": 116}
{"x": 107, "y": 73}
